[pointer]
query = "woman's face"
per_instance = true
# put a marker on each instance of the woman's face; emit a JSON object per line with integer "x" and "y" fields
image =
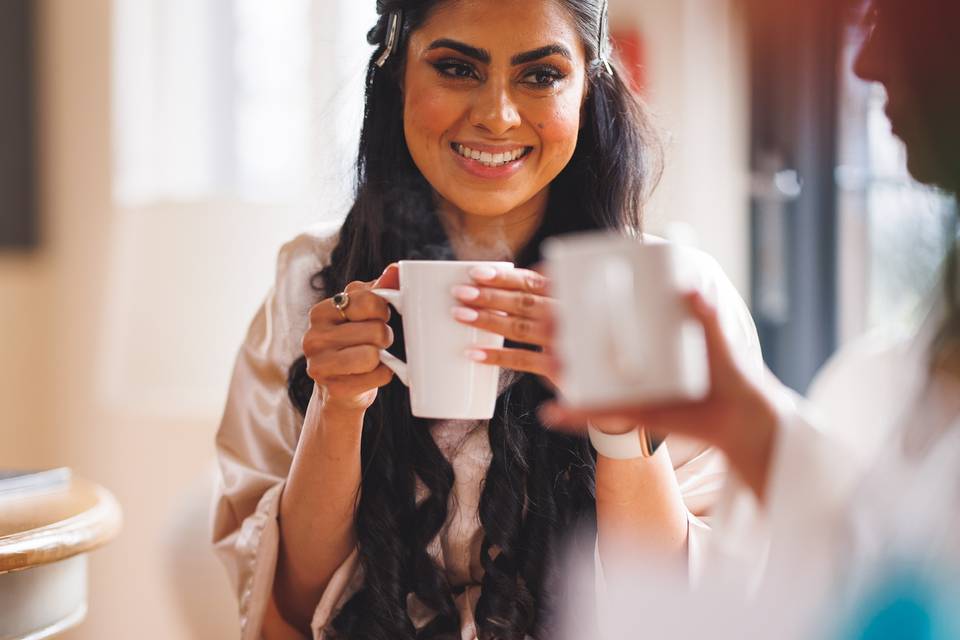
{"x": 493, "y": 91}
{"x": 913, "y": 51}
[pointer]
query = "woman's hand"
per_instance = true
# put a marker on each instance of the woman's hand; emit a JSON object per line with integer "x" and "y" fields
{"x": 512, "y": 303}
{"x": 739, "y": 415}
{"x": 343, "y": 355}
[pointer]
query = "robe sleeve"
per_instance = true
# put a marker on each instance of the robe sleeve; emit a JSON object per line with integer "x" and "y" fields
{"x": 259, "y": 432}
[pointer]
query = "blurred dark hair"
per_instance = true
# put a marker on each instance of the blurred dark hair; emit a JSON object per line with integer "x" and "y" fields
{"x": 540, "y": 483}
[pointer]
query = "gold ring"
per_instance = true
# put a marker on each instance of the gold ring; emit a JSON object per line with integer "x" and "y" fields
{"x": 341, "y": 301}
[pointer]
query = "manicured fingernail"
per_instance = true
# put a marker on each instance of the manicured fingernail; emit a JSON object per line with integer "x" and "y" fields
{"x": 466, "y": 293}
{"x": 476, "y": 355}
{"x": 483, "y": 273}
{"x": 465, "y": 314}
{"x": 535, "y": 283}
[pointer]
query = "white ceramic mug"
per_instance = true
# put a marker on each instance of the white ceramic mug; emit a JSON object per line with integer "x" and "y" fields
{"x": 624, "y": 334}
{"x": 443, "y": 381}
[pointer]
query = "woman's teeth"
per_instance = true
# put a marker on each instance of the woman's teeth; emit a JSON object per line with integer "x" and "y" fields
{"x": 491, "y": 159}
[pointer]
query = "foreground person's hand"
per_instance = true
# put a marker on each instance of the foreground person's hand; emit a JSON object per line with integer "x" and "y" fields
{"x": 343, "y": 353}
{"x": 738, "y": 416}
{"x": 513, "y": 303}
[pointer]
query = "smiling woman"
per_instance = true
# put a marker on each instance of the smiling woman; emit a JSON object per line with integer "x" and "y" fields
{"x": 489, "y": 126}
{"x": 514, "y": 102}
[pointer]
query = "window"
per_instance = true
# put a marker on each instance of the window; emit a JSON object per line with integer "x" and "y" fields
{"x": 235, "y": 125}
{"x": 234, "y": 98}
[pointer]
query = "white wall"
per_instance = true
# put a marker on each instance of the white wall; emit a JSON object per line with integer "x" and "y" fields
{"x": 24, "y": 354}
{"x": 697, "y": 88}
{"x": 116, "y": 357}
{"x": 131, "y": 457}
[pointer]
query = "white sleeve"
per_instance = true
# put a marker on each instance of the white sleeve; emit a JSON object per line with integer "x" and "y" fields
{"x": 809, "y": 487}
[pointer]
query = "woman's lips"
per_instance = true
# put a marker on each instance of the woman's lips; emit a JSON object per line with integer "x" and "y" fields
{"x": 480, "y": 169}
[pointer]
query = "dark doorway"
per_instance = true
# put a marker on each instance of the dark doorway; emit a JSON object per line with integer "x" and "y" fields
{"x": 18, "y": 219}
{"x": 795, "y": 49}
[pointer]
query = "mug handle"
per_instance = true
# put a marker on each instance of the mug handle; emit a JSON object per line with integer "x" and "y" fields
{"x": 620, "y": 301}
{"x": 398, "y": 366}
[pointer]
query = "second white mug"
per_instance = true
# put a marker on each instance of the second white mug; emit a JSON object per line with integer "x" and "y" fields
{"x": 624, "y": 335}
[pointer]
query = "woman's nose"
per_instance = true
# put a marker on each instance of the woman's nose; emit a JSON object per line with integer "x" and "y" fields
{"x": 494, "y": 110}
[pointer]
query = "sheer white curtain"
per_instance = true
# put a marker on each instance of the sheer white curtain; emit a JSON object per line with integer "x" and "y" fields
{"x": 235, "y": 98}
{"x": 235, "y": 125}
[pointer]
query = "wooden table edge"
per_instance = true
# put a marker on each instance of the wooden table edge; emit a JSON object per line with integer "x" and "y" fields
{"x": 57, "y": 541}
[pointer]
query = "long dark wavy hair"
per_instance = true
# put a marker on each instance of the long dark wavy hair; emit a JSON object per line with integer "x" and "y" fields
{"x": 540, "y": 484}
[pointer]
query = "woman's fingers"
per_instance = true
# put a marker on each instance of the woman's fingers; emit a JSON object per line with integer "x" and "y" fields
{"x": 389, "y": 279}
{"x": 518, "y": 329}
{"x": 726, "y": 408}
{"x": 342, "y": 345}
{"x": 350, "y": 361}
{"x": 350, "y": 385}
{"x": 523, "y": 280}
{"x": 356, "y": 285}
{"x": 509, "y": 302}
{"x": 524, "y": 360}
{"x": 518, "y": 303}
{"x": 349, "y": 334}
{"x": 718, "y": 347}
{"x": 363, "y": 306}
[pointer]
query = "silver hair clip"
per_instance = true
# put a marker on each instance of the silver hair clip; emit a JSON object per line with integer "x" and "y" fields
{"x": 603, "y": 37}
{"x": 393, "y": 37}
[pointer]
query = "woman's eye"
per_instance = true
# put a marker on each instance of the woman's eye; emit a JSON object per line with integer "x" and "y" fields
{"x": 455, "y": 69}
{"x": 543, "y": 77}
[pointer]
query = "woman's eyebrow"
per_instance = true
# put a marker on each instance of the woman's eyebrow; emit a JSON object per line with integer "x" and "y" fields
{"x": 542, "y": 52}
{"x": 481, "y": 55}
